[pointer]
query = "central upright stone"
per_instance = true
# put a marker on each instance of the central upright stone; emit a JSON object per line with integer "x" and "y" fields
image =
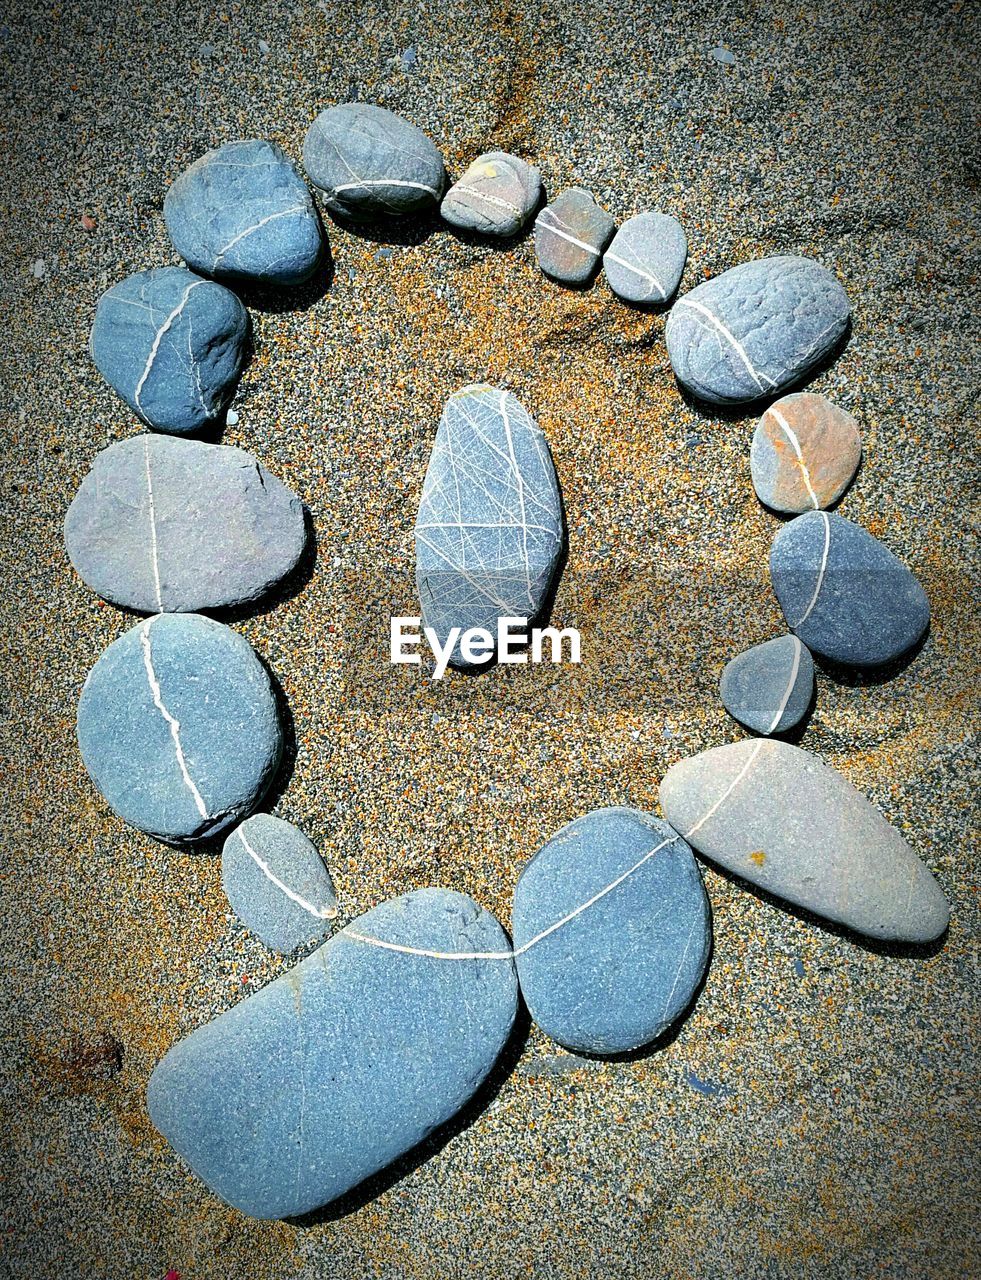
{"x": 489, "y": 533}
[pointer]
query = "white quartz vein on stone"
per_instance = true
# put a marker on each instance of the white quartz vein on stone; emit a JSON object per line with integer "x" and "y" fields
{"x": 564, "y": 235}
{"x": 785, "y": 427}
{"x": 640, "y": 271}
{"x": 386, "y": 182}
{"x": 158, "y": 338}
{"x": 297, "y": 209}
{"x": 794, "y": 669}
{"x": 172, "y": 723}
{"x": 822, "y": 570}
{"x": 319, "y": 913}
{"x": 730, "y": 337}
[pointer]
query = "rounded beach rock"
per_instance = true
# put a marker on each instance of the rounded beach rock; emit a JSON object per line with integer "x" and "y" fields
{"x": 786, "y": 822}
{"x": 646, "y": 258}
{"x": 612, "y": 975}
{"x": 844, "y": 593}
{"x": 277, "y": 883}
{"x": 489, "y": 533}
{"x": 163, "y": 525}
{"x": 756, "y": 329}
{"x": 369, "y": 162}
{"x": 495, "y": 196}
{"x": 768, "y": 688}
{"x": 339, "y": 1067}
{"x": 805, "y": 453}
{"x": 242, "y": 212}
{"x": 570, "y": 235}
{"x": 172, "y": 345}
{"x": 178, "y": 727}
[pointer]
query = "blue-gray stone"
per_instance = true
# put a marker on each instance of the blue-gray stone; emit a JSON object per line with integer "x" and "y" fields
{"x": 768, "y": 688}
{"x": 783, "y": 820}
{"x": 489, "y": 531}
{"x": 172, "y": 345}
{"x": 163, "y": 524}
{"x": 756, "y": 329}
{"x": 178, "y": 727}
{"x": 242, "y": 212}
{"x": 496, "y": 195}
{"x": 845, "y": 594}
{"x": 277, "y": 883}
{"x": 369, "y": 162}
{"x": 646, "y": 258}
{"x": 570, "y": 235}
{"x": 625, "y": 966}
{"x": 342, "y": 1065}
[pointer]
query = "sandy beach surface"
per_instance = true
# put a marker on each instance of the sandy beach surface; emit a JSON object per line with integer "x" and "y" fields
{"x": 812, "y": 1117}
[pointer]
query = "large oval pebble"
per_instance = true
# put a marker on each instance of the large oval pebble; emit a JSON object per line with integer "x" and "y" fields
{"x": 179, "y": 728}
{"x": 612, "y": 931}
{"x": 489, "y": 531}
{"x": 369, "y": 162}
{"x": 162, "y": 524}
{"x": 339, "y": 1067}
{"x": 845, "y": 594}
{"x": 172, "y": 345}
{"x": 242, "y": 212}
{"x": 783, "y": 820}
{"x": 756, "y": 329}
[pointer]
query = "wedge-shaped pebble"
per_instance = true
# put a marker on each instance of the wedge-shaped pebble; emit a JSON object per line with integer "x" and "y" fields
{"x": 342, "y": 1065}
{"x": 844, "y": 593}
{"x": 786, "y": 822}
{"x": 179, "y": 728}
{"x": 570, "y": 236}
{"x": 242, "y": 212}
{"x": 756, "y": 329}
{"x": 172, "y": 345}
{"x": 805, "y": 453}
{"x": 612, "y": 931}
{"x": 166, "y": 525}
{"x": 495, "y": 196}
{"x": 769, "y": 687}
{"x": 277, "y": 883}
{"x": 489, "y": 531}
{"x": 371, "y": 163}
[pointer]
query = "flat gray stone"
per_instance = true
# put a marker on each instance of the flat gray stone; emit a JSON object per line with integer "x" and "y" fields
{"x": 646, "y": 258}
{"x": 768, "y": 688}
{"x": 345, "y": 1063}
{"x": 489, "y": 532}
{"x": 783, "y": 820}
{"x": 756, "y": 329}
{"x": 371, "y": 163}
{"x": 570, "y": 235}
{"x": 277, "y": 883}
{"x": 163, "y": 524}
{"x": 804, "y": 454}
{"x": 496, "y": 195}
{"x": 178, "y": 727}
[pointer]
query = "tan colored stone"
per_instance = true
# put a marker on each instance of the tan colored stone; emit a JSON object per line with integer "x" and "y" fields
{"x": 805, "y": 453}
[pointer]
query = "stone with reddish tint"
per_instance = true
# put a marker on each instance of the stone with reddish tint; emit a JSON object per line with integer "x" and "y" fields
{"x": 496, "y": 196}
{"x": 570, "y": 236}
{"x": 805, "y": 453}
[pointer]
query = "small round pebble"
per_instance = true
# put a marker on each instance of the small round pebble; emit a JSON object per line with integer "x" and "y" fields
{"x": 369, "y": 162}
{"x": 178, "y": 727}
{"x": 496, "y": 196}
{"x": 768, "y": 688}
{"x": 172, "y": 345}
{"x": 570, "y": 236}
{"x": 242, "y": 212}
{"x": 805, "y": 453}
{"x": 645, "y": 261}
{"x": 277, "y": 883}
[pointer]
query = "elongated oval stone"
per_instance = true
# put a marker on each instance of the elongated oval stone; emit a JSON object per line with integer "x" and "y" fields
{"x": 342, "y": 1065}
{"x": 369, "y": 162}
{"x": 276, "y": 883}
{"x": 167, "y": 525}
{"x": 804, "y": 454}
{"x": 496, "y": 195}
{"x": 489, "y": 530}
{"x": 768, "y": 687}
{"x": 172, "y": 345}
{"x": 780, "y": 818}
{"x": 618, "y": 930}
{"x": 845, "y": 594}
{"x": 756, "y": 329}
{"x": 178, "y": 727}
{"x": 242, "y": 212}
{"x": 646, "y": 258}
{"x": 570, "y": 236}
